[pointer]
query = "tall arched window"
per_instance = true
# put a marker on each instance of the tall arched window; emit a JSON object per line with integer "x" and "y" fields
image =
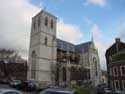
{"x": 95, "y": 66}
{"x": 39, "y": 22}
{"x": 45, "y": 41}
{"x": 64, "y": 74}
{"x": 51, "y": 23}
{"x": 33, "y": 66}
{"x": 57, "y": 76}
{"x": 34, "y": 25}
{"x": 46, "y": 21}
{"x": 73, "y": 73}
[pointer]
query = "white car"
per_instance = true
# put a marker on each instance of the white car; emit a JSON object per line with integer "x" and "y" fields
{"x": 13, "y": 83}
{"x": 117, "y": 91}
{"x": 58, "y": 91}
{"x": 107, "y": 91}
{"x": 9, "y": 91}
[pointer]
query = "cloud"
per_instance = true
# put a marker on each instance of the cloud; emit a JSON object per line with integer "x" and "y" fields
{"x": 100, "y": 3}
{"x": 15, "y": 25}
{"x": 99, "y": 37}
{"x": 69, "y": 32}
{"x": 15, "y": 21}
{"x": 96, "y": 31}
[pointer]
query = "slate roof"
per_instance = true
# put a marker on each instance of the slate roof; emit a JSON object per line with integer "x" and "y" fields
{"x": 80, "y": 48}
{"x": 66, "y": 46}
{"x": 83, "y": 48}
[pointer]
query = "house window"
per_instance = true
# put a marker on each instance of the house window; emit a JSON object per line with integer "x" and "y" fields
{"x": 122, "y": 68}
{"x": 117, "y": 86}
{"x": 46, "y": 21}
{"x": 45, "y": 41}
{"x": 51, "y": 23}
{"x": 115, "y": 71}
{"x": 123, "y": 84}
{"x": 39, "y": 21}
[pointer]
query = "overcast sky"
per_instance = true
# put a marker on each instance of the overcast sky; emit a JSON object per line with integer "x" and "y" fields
{"x": 78, "y": 21}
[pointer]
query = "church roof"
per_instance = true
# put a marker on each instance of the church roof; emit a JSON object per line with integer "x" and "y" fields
{"x": 83, "y": 48}
{"x": 66, "y": 46}
{"x": 43, "y": 11}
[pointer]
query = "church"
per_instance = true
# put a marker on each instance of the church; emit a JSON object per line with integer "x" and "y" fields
{"x": 57, "y": 62}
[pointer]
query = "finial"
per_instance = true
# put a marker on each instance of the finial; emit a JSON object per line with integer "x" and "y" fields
{"x": 92, "y": 38}
{"x": 41, "y": 4}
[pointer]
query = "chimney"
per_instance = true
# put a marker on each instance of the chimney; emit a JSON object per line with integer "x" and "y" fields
{"x": 117, "y": 40}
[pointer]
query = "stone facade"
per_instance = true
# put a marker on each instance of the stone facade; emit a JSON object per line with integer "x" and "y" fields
{"x": 54, "y": 61}
{"x": 42, "y": 52}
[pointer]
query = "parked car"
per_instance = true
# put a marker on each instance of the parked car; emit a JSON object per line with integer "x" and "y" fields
{"x": 4, "y": 81}
{"x": 27, "y": 86}
{"x": 58, "y": 91}
{"x": 9, "y": 91}
{"x": 107, "y": 91}
{"x": 117, "y": 91}
{"x": 14, "y": 83}
{"x": 47, "y": 87}
{"x": 103, "y": 89}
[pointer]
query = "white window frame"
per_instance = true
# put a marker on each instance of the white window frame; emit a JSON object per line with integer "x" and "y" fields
{"x": 116, "y": 71}
{"x": 115, "y": 84}
{"x": 111, "y": 83}
{"x": 123, "y": 81}
{"x": 121, "y": 70}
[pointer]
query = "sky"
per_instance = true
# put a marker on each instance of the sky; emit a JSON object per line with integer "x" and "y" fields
{"x": 78, "y": 21}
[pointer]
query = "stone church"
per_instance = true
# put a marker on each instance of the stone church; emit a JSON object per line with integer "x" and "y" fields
{"x": 56, "y": 62}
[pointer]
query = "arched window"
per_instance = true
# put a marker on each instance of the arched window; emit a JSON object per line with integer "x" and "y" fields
{"x": 34, "y": 25}
{"x": 95, "y": 65}
{"x": 57, "y": 76}
{"x": 33, "y": 65}
{"x": 46, "y": 21}
{"x": 39, "y": 22}
{"x": 64, "y": 74}
{"x": 73, "y": 73}
{"x": 51, "y": 23}
{"x": 45, "y": 41}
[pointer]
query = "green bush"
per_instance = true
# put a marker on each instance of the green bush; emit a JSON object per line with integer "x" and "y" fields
{"x": 81, "y": 90}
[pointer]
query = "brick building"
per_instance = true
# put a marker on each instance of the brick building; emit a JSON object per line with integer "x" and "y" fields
{"x": 115, "y": 57}
{"x": 13, "y": 70}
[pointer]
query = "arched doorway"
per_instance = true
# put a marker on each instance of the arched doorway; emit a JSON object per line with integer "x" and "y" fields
{"x": 33, "y": 65}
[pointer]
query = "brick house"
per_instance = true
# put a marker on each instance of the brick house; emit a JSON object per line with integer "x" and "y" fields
{"x": 115, "y": 57}
{"x": 13, "y": 70}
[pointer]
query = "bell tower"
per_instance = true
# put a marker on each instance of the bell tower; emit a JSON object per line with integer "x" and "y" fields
{"x": 42, "y": 51}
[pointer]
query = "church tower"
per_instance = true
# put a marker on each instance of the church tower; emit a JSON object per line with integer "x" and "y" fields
{"x": 42, "y": 51}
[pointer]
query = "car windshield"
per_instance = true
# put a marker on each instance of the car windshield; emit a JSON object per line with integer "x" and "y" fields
{"x": 53, "y": 92}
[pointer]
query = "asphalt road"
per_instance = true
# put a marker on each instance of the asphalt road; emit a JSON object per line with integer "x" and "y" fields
{"x": 6, "y": 86}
